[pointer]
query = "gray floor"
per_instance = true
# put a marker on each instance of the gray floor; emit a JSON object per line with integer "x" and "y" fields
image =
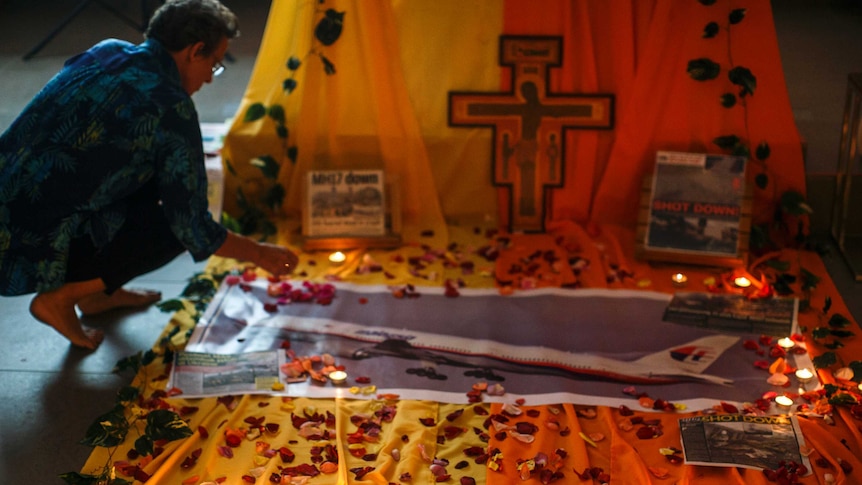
{"x": 51, "y": 393}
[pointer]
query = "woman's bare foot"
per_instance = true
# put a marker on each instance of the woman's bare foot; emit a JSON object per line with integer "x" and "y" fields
{"x": 59, "y": 314}
{"x": 122, "y": 298}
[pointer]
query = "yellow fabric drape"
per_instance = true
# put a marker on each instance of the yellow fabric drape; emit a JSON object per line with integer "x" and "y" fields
{"x": 621, "y": 453}
{"x": 384, "y": 108}
{"x": 451, "y": 45}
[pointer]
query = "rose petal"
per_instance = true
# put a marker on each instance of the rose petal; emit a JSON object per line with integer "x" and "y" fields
{"x": 778, "y": 379}
{"x": 750, "y": 345}
{"x": 778, "y": 367}
{"x": 844, "y": 373}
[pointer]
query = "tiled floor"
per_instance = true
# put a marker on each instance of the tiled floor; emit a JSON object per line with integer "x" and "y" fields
{"x": 50, "y": 393}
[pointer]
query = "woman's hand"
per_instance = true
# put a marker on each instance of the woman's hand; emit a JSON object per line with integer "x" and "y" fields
{"x": 275, "y": 259}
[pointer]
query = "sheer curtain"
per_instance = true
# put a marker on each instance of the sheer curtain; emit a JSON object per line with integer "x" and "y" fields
{"x": 395, "y": 61}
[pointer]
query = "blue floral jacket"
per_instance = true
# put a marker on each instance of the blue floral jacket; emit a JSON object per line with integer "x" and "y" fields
{"x": 115, "y": 117}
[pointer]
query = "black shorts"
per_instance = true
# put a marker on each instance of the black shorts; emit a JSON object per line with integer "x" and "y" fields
{"x": 144, "y": 243}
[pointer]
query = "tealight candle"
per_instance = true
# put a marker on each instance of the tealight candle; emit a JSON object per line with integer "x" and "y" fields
{"x": 786, "y": 343}
{"x": 679, "y": 279}
{"x": 337, "y": 257}
{"x": 784, "y": 401}
{"x": 804, "y": 375}
{"x": 338, "y": 377}
{"x": 742, "y": 282}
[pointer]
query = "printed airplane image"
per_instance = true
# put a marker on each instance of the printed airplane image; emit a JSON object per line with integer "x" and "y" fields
{"x": 238, "y": 322}
{"x": 682, "y": 362}
{"x": 582, "y": 346}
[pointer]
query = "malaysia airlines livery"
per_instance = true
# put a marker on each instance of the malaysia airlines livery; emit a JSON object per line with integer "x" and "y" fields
{"x": 686, "y": 361}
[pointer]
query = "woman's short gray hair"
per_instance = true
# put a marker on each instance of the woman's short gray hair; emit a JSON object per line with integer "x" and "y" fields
{"x": 180, "y": 23}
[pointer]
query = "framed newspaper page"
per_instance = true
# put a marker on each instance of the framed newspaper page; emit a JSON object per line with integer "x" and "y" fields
{"x": 696, "y": 209}
{"x": 349, "y": 208}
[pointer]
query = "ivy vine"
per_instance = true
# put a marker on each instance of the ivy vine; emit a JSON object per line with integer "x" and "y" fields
{"x": 742, "y": 85}
{"x": 113, "y": 427}
{"x": 253, "y": 213}
{"x": 132, "y": 410}
{"x": 831, "y": 336}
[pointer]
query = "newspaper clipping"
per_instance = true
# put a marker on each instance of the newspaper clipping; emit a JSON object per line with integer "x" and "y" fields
{"x": 205, "y": 374}
{"x": 346, "y": 203}
{"x": 696, "y": 204}
{"x": 736, "y": 440}
{"x": 736, "y": 314}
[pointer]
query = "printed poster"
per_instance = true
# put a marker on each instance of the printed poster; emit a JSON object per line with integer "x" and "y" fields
{"x": 553, "y": 345}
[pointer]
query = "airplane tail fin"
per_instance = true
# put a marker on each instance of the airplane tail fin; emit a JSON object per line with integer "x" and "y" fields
{"x": 690, "y": 358}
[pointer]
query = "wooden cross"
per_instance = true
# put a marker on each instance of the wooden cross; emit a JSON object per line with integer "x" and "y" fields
{"x": 528, "y": 156}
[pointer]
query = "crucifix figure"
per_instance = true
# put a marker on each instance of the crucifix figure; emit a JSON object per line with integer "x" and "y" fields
{"x": 529, "y": 127}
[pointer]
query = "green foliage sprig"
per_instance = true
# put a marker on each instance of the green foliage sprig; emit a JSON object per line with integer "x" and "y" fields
{"x": 199, "y": 292}
{"x": 742, "y": 86}
{"x": 836, "y": 329}
{"x": 130, "y": 411}
{"x": 254, "y": 213}
{"x": 113, "y": 427}
{"x": 741, "y": 79}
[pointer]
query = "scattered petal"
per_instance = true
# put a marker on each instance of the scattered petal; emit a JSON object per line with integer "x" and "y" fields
{"x": 729, "y": 408}
{"x": 648, "y": 432}
{"x": 778, "y": 379}
{"x": 588, "y": 440}
{"x": 844, "y": 373}
{"x": 588, "y": 413}
{"x": 778, "y": 367}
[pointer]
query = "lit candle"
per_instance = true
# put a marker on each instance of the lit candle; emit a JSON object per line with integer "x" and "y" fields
{"x": 337, "y": 257}
{"x": 679, "y": 279}
{"x": 338, "y": 377}
{"x": 784, "y": 401}
{"x": 786, "y": 343}
{"x": 742, "y": 282}
{"x": 804, "y": 375}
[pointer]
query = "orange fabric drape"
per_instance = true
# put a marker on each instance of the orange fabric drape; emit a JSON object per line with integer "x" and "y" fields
{"x": 639, "y": 52}
{"x": 599, "y": 48}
